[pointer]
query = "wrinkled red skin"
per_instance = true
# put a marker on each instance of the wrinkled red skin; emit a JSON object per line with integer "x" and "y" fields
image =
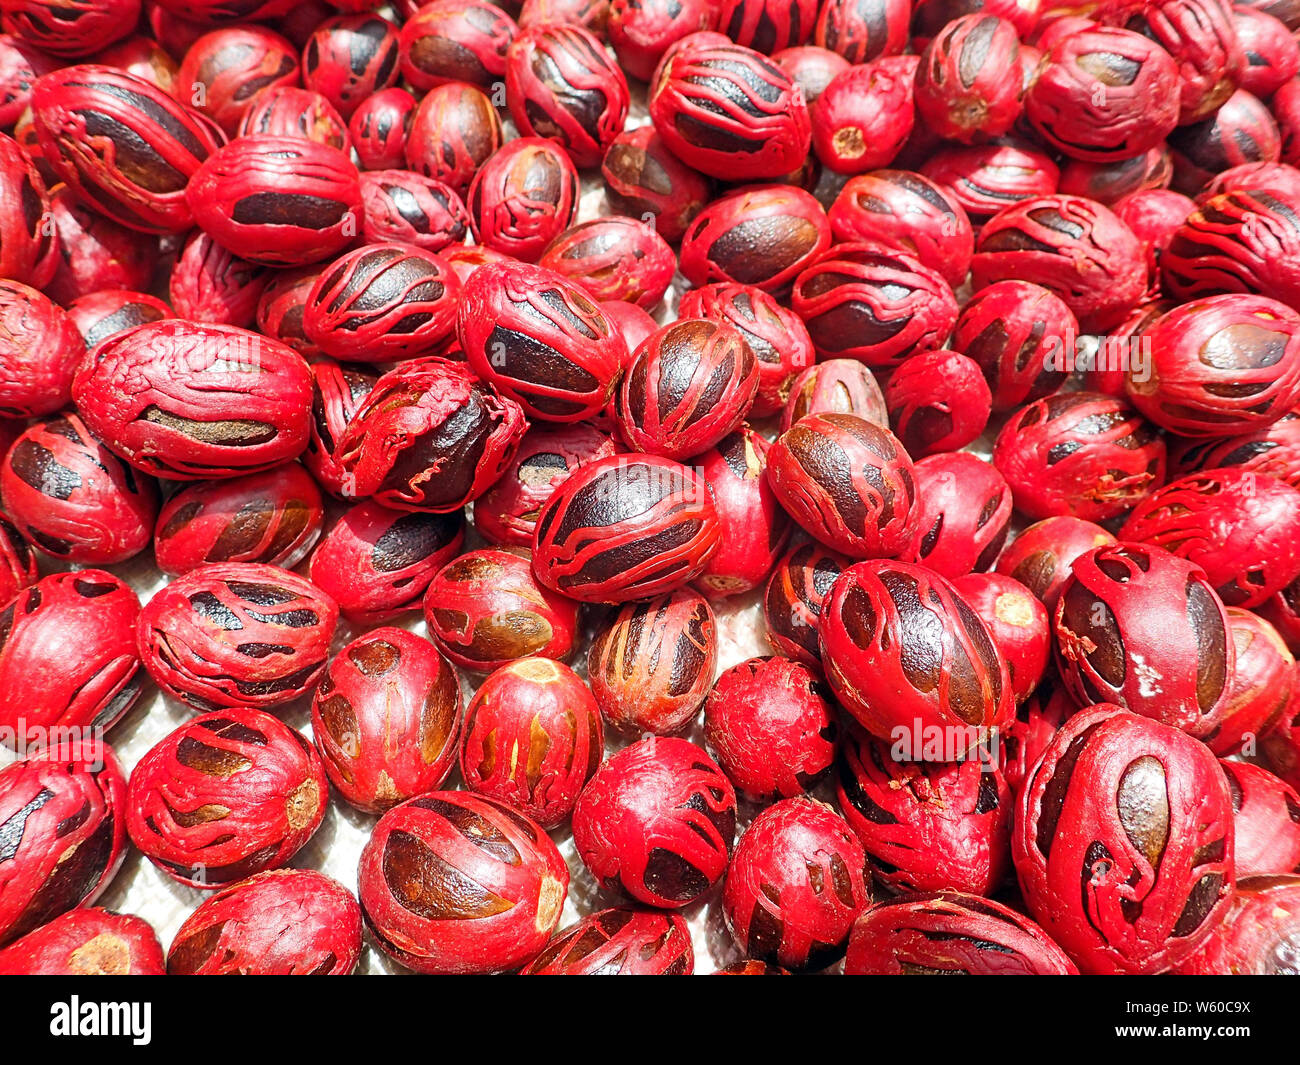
{"x": 1151, "y": 895}
{"x": 1263, "y": 683}
{"x": 1018, "y": 623}
{"x": 626, "y": 527}
{"x": 870, "y": 302}
{"x": 30, "y": 250}
{"x": 1280, "y": 177}
{"x": 453, "y": 131}
{"x": 386, "y": 719}
{"x": 1142, "y": 628}
{"x": 541, "y": 339}
{"x": 267, "y": 177}
{"x": 266, "y": 775}
{"x": 40, "y": 348}
{"x": 641, "y": 32}
{"x": 902, "y": 650}
{"x": 209, "y": 284}
{"x": 1013, "y": 330}
{"x": 1042, "y": 555}
{"x": 21, "y": 63}
{"x": 1133, "y": 112}
{"x": 848, "y": 483}
{"x": 767, "y": 26}
{"x": 485, "y": 609}
{"x": 1199, "y": 34}
{"x": 349, "y": 58}
{"x": 457, "y": 883}
{"x": 63, "y": 810}
{"x": 793, "y": 600}
{"x": 287, "y": 111}
{"x": 186, "y": 377}
{"x": 864, "y": 116}
{"x": 614, "y": 258}
{"x": 651, "y": 665}
{"x": 835, "y": 386}
{"x": 382, "y": 303}
{"x": 810, "y": 66}
{"x": 657, "y": 822}
{"x": 282, "y": 922}
{"x": 409, "y": 208}
{"x": 17, "y": 559}
{"x": 273, "y": 517}
{"x": 643, "y": 179}
{"x": 775, "y": 901}
{"x": 280, "y": 307}
{"x": 74, "y": 499}
{"x": 237, "y": 634}
{"x": 965, "y": 513}
{"x": 1257, "y": 346}
{"x": 1272, "y": 56}
{"x": 853, "y": 28}
{"x": 910, "y": 211}
{"x": 1073, "y": 246}
{"x": 1079, "y": 453}
{"x": 761, "y": 235}
{"x": 1026, "y": 736}
{"x": 94, "y": 252}
{"x": 1258, "y": 937}
{"x": 777, "y": 338}
{"x": 1154, "y": 215}
{"x": 144, "y": 57}
{"x": 938, "y": 401}
{"x": 71, "y": 30}
{"x": 86, "y": 941}
{"x": 506, "y": 514}
{"x": 755, "y": 528}
{"x": 338, "y": 393}
{"x": 379, "y": 128}
{"x": 429, "y": 438}
{"x": 770, "y": 725}
{"x": 951, "y": 933}
{"x": 223, "y": 70}
{"x": 689, "y": 385}
{"x": 164, "y": 135}
{"x": 376, "y": 563}
{"x": 1244, "y": 241}
{"x": 1241, "y": 527}
{"x": 925, "y": 826}
{"x": 456, "y": 40}
{"x": 580, "y": 101}
{"x": 985, "y": 178}
{"x": 1241, "y": 132}
{"x": 619, "y": 942}
{"x": 532, "y": 739}
{"x": 730, "y": 112}
{"x": 968, "y": 85}
{"x": 1266, "y": 820}
{"x": 68, "y": 658}
{"x": 1109, "y": 182}
{"x": 1272, "y": 449}
{"x": 523, "y": 197}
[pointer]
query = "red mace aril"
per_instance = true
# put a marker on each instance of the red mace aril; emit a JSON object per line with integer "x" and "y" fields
{"x": 457, "y": 883}
{"x": 1136, "y": 812}
{"x": 938, "y": 401}
{"x": 40, "y": 349}
{"x": 968, "y": 84}
{"x": 1018, "y": 623}
{"x": 657, "y": 822}
{"x": 87, "y": 941}
{"x": 227, "y": 795}
{"x": 796, "y": 883}
{"x": 1042, "y": 555}
{"x": 619, "y": 942}
{"x": 836, "y": 386}
{"x": 651, "y": 665}
{"x": 1259, "y": 934}
{"x": 282, "y": 922}
{"x": 522, "y": 197}
{"x": 532, "y": 739}
{"x": 1263, "y": 683}
{"x": 965, "y": 513}
{"x": 951, "y": 933}
{"x": 386, "y": 717}
{"x": 793, "y": 600}
{"x": 862, "y": 119}
{"x": 1265, "y": 818}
